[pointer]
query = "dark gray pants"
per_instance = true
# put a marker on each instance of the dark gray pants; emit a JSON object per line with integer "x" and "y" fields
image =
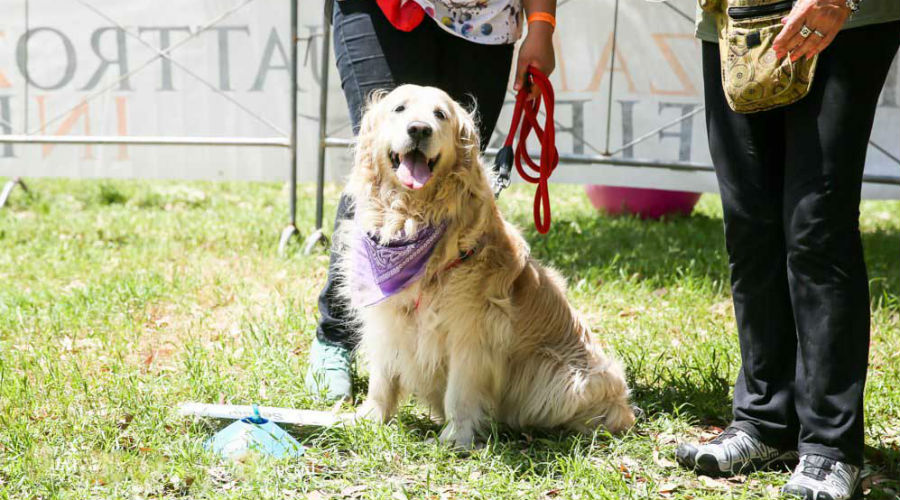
{"x": 371, "y": 55}
{"x": 790, "y": 182}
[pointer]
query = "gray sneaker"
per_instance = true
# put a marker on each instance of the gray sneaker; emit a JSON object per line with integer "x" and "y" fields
{"x": 821, "y": 478}
{"x": 731, "y": 453}
{"x": 328, "y": 376}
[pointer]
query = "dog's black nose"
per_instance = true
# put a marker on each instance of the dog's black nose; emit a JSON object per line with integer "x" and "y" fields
{"x": 418, "y": 130}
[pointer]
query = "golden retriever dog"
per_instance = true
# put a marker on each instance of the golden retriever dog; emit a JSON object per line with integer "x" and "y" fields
{"x": 478, "y": 329}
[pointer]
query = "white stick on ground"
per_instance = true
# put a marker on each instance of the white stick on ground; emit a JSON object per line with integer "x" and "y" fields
{"x": 280, "y": 415}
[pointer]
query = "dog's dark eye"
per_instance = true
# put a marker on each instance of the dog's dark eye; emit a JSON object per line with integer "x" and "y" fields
{"x": 440, "y": 115}
{"x": 399, "y": 109}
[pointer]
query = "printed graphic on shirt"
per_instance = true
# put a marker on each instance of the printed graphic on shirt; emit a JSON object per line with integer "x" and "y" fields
{"x": 490, "y": 22}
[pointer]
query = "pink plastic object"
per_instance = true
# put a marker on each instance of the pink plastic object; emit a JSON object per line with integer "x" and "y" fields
{"x": 646, "y": 203}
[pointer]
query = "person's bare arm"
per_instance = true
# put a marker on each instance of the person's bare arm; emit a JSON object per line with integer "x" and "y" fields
{"x": 537, "y": 48}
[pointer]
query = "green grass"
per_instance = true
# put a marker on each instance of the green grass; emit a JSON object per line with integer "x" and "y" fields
{"x": 120, "y": 299}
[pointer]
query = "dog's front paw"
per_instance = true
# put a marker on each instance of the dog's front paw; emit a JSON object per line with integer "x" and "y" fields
{"x": 372, "y": 412}
{"x": 458, "y": 436}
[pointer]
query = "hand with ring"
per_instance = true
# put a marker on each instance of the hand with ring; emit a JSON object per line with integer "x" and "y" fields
{"x": 810, "y": 27}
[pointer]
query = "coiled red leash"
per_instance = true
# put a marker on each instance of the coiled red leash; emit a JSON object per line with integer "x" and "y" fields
{"x": 526, "y": 114}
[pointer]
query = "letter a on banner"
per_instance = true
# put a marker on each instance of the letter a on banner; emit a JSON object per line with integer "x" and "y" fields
{"x": 603, "y": 66}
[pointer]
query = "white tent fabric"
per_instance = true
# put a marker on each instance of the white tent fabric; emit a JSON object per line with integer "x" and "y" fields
{"x": 75, "y": 51}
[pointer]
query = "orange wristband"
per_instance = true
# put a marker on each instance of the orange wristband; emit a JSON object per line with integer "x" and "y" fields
{"x": 542, "y": 16}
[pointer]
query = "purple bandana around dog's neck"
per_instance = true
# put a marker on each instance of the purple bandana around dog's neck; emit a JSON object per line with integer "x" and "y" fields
{"x": 382, "y": 270}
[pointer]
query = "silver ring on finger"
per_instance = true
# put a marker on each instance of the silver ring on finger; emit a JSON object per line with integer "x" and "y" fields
{"x": 805, "y": 31}
{"x": 819, "y": 34}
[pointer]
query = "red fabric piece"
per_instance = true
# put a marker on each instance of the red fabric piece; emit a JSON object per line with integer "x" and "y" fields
{"x": 405, "y": 15}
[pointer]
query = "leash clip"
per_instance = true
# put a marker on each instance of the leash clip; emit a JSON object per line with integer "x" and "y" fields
{"x": 502, "y": 170}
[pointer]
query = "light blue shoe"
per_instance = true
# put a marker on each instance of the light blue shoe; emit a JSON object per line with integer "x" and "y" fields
{"x": 328, "y": 377}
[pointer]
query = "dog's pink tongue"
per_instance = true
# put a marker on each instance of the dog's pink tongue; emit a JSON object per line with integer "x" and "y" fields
{"x": 413, "y": 171}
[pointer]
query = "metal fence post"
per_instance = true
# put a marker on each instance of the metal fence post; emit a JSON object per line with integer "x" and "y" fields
{"x": 291, "y": 228}
{"x": 7, "y": 189}
{"x": 318, "y": 236}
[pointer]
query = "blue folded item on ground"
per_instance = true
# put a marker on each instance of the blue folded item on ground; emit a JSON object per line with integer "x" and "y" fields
{"x": 254, "y": 434}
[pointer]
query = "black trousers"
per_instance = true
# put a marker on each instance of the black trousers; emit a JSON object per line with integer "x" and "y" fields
{"x": 371, "y": 55}
{"x": 790, "y": 181}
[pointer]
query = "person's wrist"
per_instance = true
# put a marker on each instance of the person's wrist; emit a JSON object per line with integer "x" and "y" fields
{"x": 540, "y": 29}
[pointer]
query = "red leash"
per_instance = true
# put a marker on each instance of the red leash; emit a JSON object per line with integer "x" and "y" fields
{"x": 526, "y": 114}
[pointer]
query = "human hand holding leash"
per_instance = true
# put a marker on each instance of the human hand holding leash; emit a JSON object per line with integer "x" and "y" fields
{"x": 810, "y": 28}
{"x": 537, "y": 48}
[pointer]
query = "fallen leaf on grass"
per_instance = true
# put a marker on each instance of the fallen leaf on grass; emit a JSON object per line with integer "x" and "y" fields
{"x": 124, "y": 421}
{"x": 627, "y": 466}
{"x": 665, "y": 463}
{"x": 149, "y": 359}
{"x": 666, "y": 438}
{"x": 666, "y": 489}
{"x": 739, "y": 479}
{"x": 710, "y": 433}
{"x": 177, "y": 486}
{"x": 447, "y": 493}
{"x": 877, "y": 479}
{"x": 221, "y": 477}
{"x": 880, "y": 486}
{"x": 353, "y": 491}
{"x": 712, "y": 483}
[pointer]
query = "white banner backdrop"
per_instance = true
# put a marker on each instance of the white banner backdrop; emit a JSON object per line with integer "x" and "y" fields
{"x": 75, "y": 52}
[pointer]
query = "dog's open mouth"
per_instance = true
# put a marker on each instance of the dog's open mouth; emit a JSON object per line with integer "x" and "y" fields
{"x": 413, "y": 168}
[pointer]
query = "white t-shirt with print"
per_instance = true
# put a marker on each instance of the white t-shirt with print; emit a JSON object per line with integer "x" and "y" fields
{"x": 490, "y": 22}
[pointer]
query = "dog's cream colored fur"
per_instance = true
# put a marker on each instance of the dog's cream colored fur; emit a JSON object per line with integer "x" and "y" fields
{"x": 493, "y": 337}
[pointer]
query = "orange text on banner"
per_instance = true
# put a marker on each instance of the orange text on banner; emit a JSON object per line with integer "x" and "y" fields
{"x": 603, "y": 66}
{"x": 4, "y": 82}
{"x": 688, "y": 87}
{"x": 80, "y": 111}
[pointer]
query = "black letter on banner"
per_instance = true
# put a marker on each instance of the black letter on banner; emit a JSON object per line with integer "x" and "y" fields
{"x": 121, "y": 59}
{"x": 70, "y": 59}
{"x": 6, "y": 126}
{"x": 311, "y": 59}
{"x": 273, "y": 44}
{"x": 577, "y": 128}
{"x": 224, "y": 55}
{"x": 686, "y": 132}
{"x": 627, "y": 127}
{"x": 165, "y": 41}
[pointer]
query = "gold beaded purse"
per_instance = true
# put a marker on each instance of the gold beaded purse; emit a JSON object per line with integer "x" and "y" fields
{"x": 753, "y": 78}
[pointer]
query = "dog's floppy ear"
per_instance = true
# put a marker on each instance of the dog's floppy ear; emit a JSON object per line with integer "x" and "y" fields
{"x": 368, "y": 116}
{"x": 363, "y": 164}
{"x": 467, "y": 131}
